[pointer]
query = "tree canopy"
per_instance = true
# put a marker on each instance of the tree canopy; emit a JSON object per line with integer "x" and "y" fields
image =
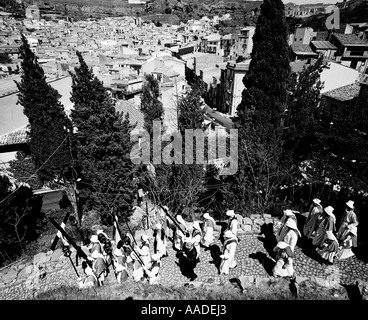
{"x": 103, "y": 147}
{"x": 48, "y": 122}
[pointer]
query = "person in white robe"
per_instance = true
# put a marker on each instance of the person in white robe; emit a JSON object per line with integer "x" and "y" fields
{"x": 180, "y": 236}
{"x": 292, "y": 234}
{"x": 153, "y": 270}
{"x": 209, "y": 227}
{"x": 160, "y": 241}
{"x": 349, "y": 219}
{"x": 348, "y": 242}
{"x": 284, "y": 260}
{"x": 138, "y": 272}
{"x": 120, "y": 263}
{"x": 282, "y": 228}
{"x": 144, "y": 250}
{"x": 196, "y": 237}
{"x": 99, "y": 266}
{"x": 90, "y": 280}
{"x": 232, "y": 223}
{"x": 228, "y": 254}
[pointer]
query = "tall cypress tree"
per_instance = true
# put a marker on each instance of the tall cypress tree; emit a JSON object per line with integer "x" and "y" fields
{"x": 103, "y": 146}
{"x": 151, "y": 106}
{"x": 260, "y": 111}
{"x": 46, "y": 116}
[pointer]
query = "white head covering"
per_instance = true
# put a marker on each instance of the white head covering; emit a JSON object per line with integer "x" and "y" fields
{"x": 118, "y": 253}
{"x": 94, "y": 238}
{"x": 158, "y": 226}
{"x": 292, "y": 225}
{"x": 95, "y": 255}
{"x": 288, "y": 212}
{"x": 350, "y": 204}
{"x": 329, "y": 210}
{"x": 317, "y": 201}
{"x": 206, "y": 215}
{"x": 144, "y": 238}
{"x": 196, "y": 225}
{"x": 88, "y": 270}
{"x": 230, "y": 213}
{"x": 155, "y": 257}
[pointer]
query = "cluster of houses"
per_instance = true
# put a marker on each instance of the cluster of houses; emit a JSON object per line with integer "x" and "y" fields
{"x": 308, "y": 10}
{"x": 121, "y": 50}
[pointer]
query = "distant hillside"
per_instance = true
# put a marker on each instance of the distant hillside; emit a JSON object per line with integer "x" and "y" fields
{"x": 354, "y": 14}
{"x": 184, "y": 10}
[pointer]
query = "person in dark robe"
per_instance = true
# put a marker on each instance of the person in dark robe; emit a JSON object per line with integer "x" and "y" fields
{"x": 311, "y": 223}
{"x": 330, "y": 248}
{"x": 188, "y": 260}
{"x": 327, "y": 224}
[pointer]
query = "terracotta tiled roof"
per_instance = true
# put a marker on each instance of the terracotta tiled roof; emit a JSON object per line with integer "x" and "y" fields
{"x": 135, "y": 115}
{"x": 17, "y": 136}
{"x": 323, "y": 45}
{"x": 345, "y": 93}
{"x": 349, "y": 39}
{"x": 302, "y": 48}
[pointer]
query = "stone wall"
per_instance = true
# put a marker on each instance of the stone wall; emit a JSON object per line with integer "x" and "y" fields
{"x": 45, "y": 271}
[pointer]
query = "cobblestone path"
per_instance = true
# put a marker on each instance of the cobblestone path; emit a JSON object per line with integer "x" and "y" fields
{"x": 345, "y": 271}
{"x": 251, "y": 245}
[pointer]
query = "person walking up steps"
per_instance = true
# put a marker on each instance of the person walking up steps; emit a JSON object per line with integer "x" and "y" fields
{"x": 188, "y": 260}
{"x": 284, "y": 260}
{"x": 311, "y": 223}
{"x": 292, "y": 234}
{"x": 144, "y": 250}
{"x": 232, "y": 225}
{"x": 228, "y": 253}
{"x": 153, "y": 271}
{"x": 179, "y": 235}
{"x": 348, "y": 242}
{"x": 283, "y": 229}
{"x": 196, "y": 237}
{"x": 90, "y": 280}
{"x": 327, "y": 224}
{"x": 330, "y": 248}
{"x": 99, "y": 266}
{"x": 120, "y": 263}
{"x": 209, "y": 227}
{"x": 160, "y": 241}
{"x": 349, "y": 219}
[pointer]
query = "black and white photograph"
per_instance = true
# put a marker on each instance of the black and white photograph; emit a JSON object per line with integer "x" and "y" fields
{"x": 184, "y": 155}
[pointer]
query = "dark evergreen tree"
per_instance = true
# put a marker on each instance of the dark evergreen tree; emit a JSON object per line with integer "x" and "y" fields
{"x": 302, "y": 114}
{"x": 260, "y": 112}
{"x": 103, "y": 147}
{"x": 47, "y": 119}
{"x": 186, "y": 180}
{"x": 20, "y": 218}
{"x": 151, "y": 106}
{"x": 23, "y": 168}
